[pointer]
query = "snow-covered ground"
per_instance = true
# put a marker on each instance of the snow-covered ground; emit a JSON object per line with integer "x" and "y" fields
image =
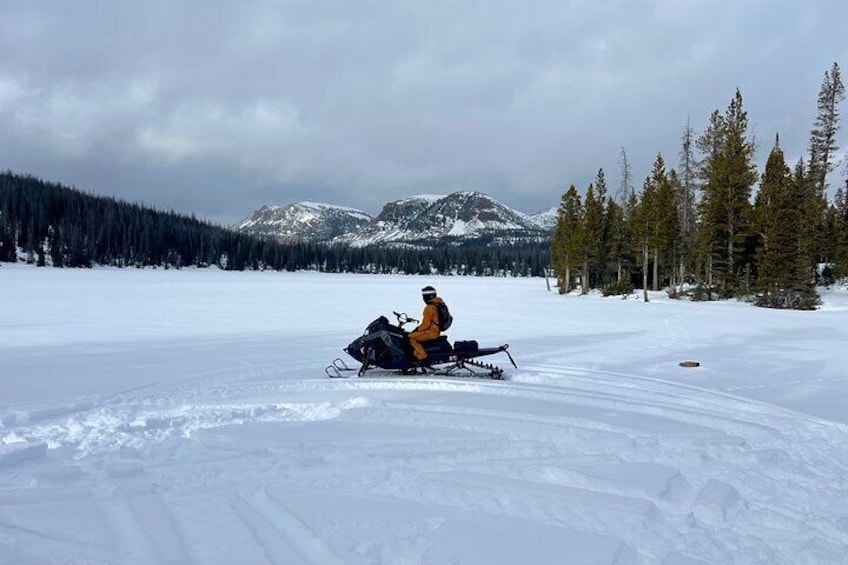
{"x": 151, "y": 416}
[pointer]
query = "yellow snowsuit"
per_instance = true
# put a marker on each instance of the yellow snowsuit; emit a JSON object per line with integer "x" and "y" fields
{"x": 427, "y": 330}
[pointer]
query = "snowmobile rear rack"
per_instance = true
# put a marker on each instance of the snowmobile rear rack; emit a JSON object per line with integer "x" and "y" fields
{"x": 469, "y": 367}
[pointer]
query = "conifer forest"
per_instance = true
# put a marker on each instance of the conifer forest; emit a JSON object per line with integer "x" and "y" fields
{"x": 715, "y": 226}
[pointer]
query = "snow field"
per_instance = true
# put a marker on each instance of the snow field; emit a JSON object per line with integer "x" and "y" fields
{"x": 184, "y": 417}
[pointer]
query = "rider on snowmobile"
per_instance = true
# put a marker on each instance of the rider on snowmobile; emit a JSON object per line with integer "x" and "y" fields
{"x": 428, "y": 329}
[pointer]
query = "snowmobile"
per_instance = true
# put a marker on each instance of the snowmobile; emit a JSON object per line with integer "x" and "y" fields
{"x": 386, "y": 346}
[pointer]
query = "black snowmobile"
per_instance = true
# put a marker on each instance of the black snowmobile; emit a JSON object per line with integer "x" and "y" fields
{"x": 386, "y": 346}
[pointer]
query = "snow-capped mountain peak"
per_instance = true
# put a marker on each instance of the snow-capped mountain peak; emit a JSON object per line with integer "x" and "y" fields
{"x": 313, "y": 221}
{"x": 546, "y": 219}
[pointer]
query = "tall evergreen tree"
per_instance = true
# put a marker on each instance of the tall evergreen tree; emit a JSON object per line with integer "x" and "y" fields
{"x": 685, "y": 186}
{"x": 710, "y": 207}
{"x": 783, "y": 276}
{"x": 667, "y": 228}
{"x": 729, "y": 173}
{"x": 679, "y": 254}
{"x": 589, "y": 227}
{"x": 823, "y": 147}
{"x": 567, "y": 243}
{"x": 594, "y": 254}
{"x": 618, "y": 238}
{"x": 641, "y": 229}
{"x": 625, "y": 186}
{"x": 603, "y": 259}
{"x": 660, "y": 213}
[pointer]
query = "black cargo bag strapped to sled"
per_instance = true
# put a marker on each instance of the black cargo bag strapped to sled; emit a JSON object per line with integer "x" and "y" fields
{"x": 466, "y": 346}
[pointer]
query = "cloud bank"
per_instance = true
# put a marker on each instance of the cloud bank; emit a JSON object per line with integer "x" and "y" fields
{"x": 217, "y": 107}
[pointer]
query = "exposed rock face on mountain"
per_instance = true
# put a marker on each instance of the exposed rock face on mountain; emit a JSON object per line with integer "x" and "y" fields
{"x": 305, "y": 221}
{"x": 423, "y": 220}
{"x": 458, "y": 216}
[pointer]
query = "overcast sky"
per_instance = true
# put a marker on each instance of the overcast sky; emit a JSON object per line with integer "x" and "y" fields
{"x": 217, "y": 107}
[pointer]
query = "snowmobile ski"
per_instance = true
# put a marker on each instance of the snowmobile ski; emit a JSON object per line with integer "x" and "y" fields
{"x": 338, "y": 369}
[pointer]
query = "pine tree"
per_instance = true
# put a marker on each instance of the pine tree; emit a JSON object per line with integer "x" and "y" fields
{"x": 783, "y": 277}
{"x": 711, "y": 206}
{"x": 625, "y": 187}
{"x": 685, "y": 186}
{"x": 823, "y": 136}
{"x": 641, "y": 229}
{"x": 729, "y": 173}
{"x": 660, "y": 222}
{"x": 617, "y": 237}
{"x": 593, "y": 234}
{"x": 603, "y": 254}
{"x": 667, "y": 225}
{"x": 566, "y": 246}
{"x": 822, "y": 150}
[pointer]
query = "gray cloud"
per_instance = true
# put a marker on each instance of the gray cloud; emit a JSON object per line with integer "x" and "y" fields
{"x": 217, "y": 107}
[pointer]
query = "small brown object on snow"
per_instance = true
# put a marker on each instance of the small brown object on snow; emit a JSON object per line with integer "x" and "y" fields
{"x": 690, "y": 364}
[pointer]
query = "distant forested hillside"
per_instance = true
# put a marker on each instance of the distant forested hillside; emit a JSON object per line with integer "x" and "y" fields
{"x": 52, "y": 224}
{"x": 49, "y": 224}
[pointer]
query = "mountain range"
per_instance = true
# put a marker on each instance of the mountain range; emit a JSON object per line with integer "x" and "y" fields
{"x": 419, "y": 221}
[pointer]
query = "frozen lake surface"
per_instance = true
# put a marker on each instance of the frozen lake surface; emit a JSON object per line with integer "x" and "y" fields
{"x": 152, "y": 416}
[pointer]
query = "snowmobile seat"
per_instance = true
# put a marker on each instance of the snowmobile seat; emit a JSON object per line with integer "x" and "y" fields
{"x": 438, "y": 347}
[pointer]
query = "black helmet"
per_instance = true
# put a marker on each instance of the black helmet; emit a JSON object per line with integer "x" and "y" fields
{"x": 428, "y": 293}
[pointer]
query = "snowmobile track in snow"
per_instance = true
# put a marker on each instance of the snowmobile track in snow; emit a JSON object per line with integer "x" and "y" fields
{"x": 641, "y": 463}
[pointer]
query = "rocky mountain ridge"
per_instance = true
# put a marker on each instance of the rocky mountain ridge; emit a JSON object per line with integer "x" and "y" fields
{"x": 420, "y": 221}
{"x": 303, "y": 221}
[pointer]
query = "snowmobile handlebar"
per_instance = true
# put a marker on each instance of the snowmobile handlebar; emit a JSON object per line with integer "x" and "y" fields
{"x": 403, "y": 319}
